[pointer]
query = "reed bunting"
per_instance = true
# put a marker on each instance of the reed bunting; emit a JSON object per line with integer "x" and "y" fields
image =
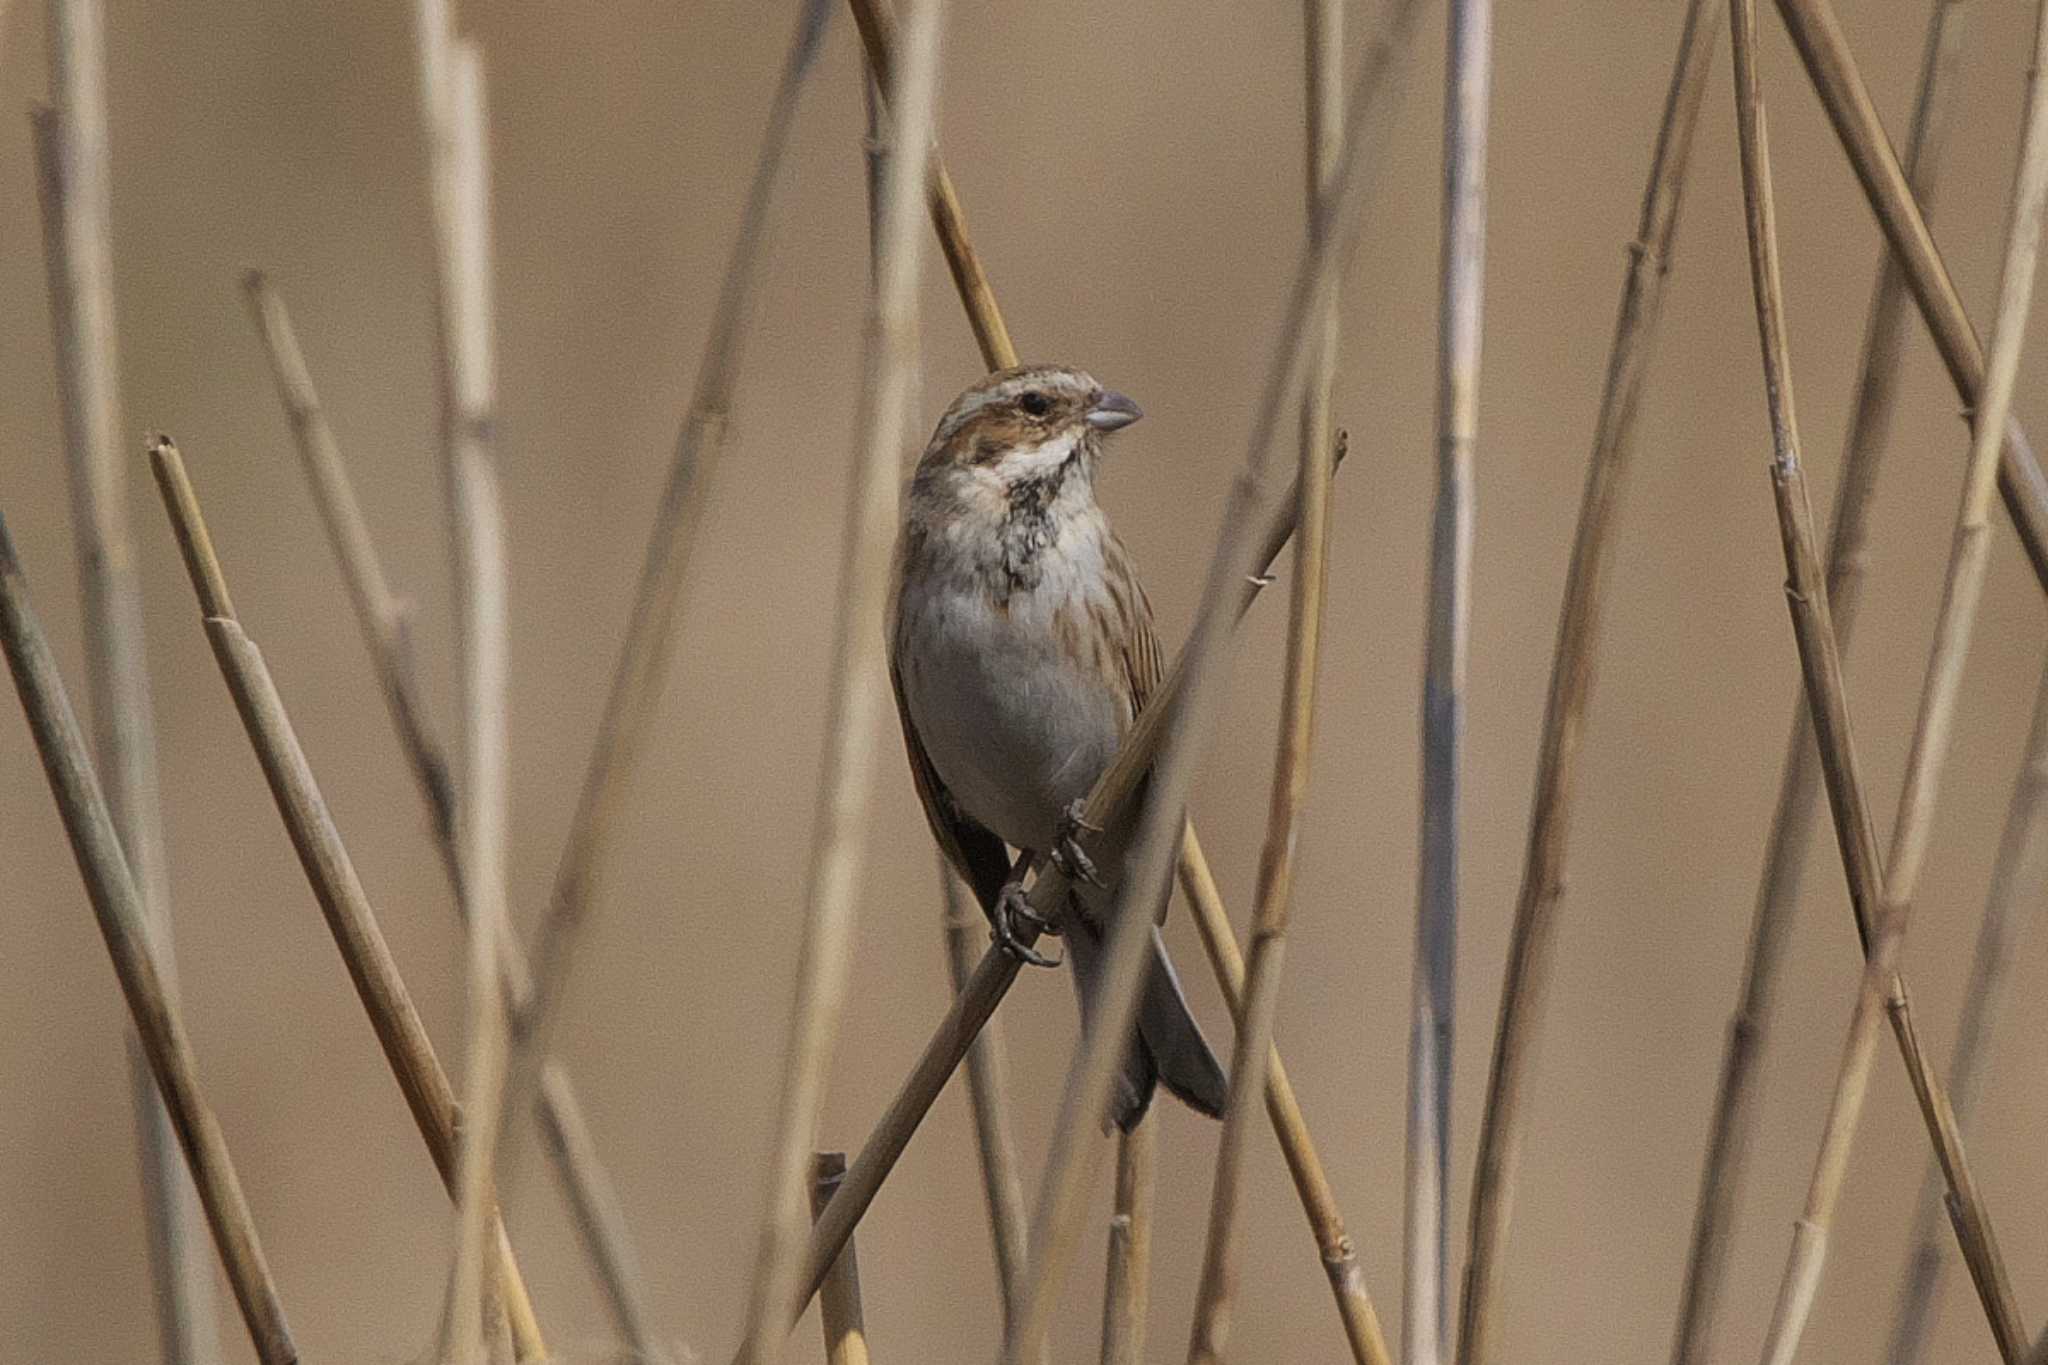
{"x": 1021, "y": 648}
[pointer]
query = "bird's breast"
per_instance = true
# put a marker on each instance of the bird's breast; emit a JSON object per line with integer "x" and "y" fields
{"x": 1017, "y": 722}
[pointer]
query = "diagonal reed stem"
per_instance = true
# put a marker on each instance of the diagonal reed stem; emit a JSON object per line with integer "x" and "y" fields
{"x": 1527, "y": 977}
{"x": 1884, "y": 894}
{"x": 74, "y": 184}
{"x": 1258, "y": 1005}
{"x": 1425, "y": 1296}
{"x": 1824, "y": 49}
{"x": 117, "y": 905}
{"x": 329, "y": 870}
{"x": 2019, "y": 876}
{"x": 384, "y": 620}
{"x": 1792, "y": 822}
{"x": 643, "y": 656}
{"x": 854, "y": 710}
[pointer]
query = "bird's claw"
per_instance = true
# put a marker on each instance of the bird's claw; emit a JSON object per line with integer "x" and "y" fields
{"x": 1067, "y": 854}
{"x": 1015, "y": 924}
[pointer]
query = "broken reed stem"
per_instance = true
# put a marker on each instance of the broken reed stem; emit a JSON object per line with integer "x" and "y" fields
{"x": 373, "y": 971}
{"x": 846, "y": 1336}
{"x": 854, "y": 709}
{"x": 1339, "y": 1255}
{"x": 643, "y": 656}
{"x": 74, "y": 184}
{"x": 997, "y": 970}
{"x": 966, "y": 930}
{"x": 1258, "y": 1005}
{"x": 117, "y": 905}
{"x": 1127, "y": 1280}
{"x": 384, "y": 621}
{"x": 452, "y": 107}
{"x": 1425, "y": 1296}
{"x": 1886, "y": 894}
{"x": 1526, "y": 979}
{"x": 1824, "y": 50}
{"x": 1255, "y": 496}
{"x": 2018, "y": 877}
{"x": 1792, "y": 822}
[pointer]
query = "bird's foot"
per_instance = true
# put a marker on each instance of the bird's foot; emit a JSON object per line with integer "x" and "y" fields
{"x": 1067, "y": 854}
{"x": 1015, "y": 924}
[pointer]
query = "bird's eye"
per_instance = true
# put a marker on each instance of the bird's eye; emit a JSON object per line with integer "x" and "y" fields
{"x": 1035, "y": 403}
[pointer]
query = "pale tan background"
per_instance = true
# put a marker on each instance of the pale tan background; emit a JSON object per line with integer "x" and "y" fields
{"x": 1131, "y": 172}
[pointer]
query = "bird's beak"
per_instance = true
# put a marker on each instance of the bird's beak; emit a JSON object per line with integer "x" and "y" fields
{"x": 1113, "y": 412}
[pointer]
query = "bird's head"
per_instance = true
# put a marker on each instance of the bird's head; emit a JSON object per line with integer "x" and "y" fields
{"x": 1022, "y": 425}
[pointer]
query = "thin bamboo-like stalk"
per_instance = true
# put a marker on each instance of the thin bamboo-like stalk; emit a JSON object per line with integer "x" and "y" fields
{"x": 117, "y": 906}
{"x": 1527, "y": 976}
{"x": 643, "y": 656}
{"x": 854, "y": 710}
{"x": 1889, "y": 891}
{"x": 993, "y": 975}
{"x": 452, "y": 111}
{"x": 1824, "y": 49}
{"x": 1338, "y": 1253}
{"x": 74, "y": 183}
{"x": 966, "y": 931}
{"x": 1255, "y": 492}
{"x": 1792, "y": 822}
{"x": 1272, "y": 902}
{"x": 384, "y": 619}
{"x": 2019, "y": 875}
{"x": 846, "y": 1334}
{"x": 1425, "y": 1295}
{"x": 329, "y": 870}
{"x": 1127, "y": 1280}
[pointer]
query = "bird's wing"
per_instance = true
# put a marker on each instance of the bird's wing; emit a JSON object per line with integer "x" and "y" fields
{"x": 974, "y": 851}
{"x": 1144, "y": 668}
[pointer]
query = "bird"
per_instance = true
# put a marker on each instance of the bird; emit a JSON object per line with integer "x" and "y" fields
{"x": 1021, "y": 649}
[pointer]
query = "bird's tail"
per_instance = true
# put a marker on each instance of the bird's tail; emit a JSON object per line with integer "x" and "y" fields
{"x": 1167, "y": 1045}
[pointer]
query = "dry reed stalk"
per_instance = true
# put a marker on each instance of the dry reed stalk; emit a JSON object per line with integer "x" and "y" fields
{"x": 1425, "y": 1295}
{"x": 1258, "y": 1004}
{"x": 1361, "y": 1324}
{"x": 384, "y": 619}
{"x": 839, "y": 1307}
{"x": 2018, "y": 876}
{"x": 966, "y": 930}
{"x": 1337, "y": 1251}
{"x": 1792, "y": 822}
{"x": 408, "y": 1049}
{"x": 1885, "y": 894}
{"x": 1256, "y": 495}
{"x": 117, "y": 905}
{"x": 974, "y": 1002}
{"x": 74, "y": 184}
{"x": 643, "y": 655}
{"x": 452, "y": 112}
{"x": 1824, "y": 49}
{"x": 1127, "y": 1280}
{"x": 1527, "y": 976}
{"x": 854, "y": 709}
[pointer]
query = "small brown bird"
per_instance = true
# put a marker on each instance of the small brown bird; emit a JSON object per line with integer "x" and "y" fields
{"x": 1021, "y": 649}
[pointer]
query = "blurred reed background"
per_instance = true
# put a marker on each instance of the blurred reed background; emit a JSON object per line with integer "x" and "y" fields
{"x": 1133, "y": 176}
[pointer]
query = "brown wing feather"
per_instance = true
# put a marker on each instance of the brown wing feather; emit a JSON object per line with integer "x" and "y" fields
{"x": 974, "y": 851}
{"x": 1143, "y": 667}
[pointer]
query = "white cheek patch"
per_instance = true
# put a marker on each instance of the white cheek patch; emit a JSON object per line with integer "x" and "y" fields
{"x": 1027, "y": 462}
